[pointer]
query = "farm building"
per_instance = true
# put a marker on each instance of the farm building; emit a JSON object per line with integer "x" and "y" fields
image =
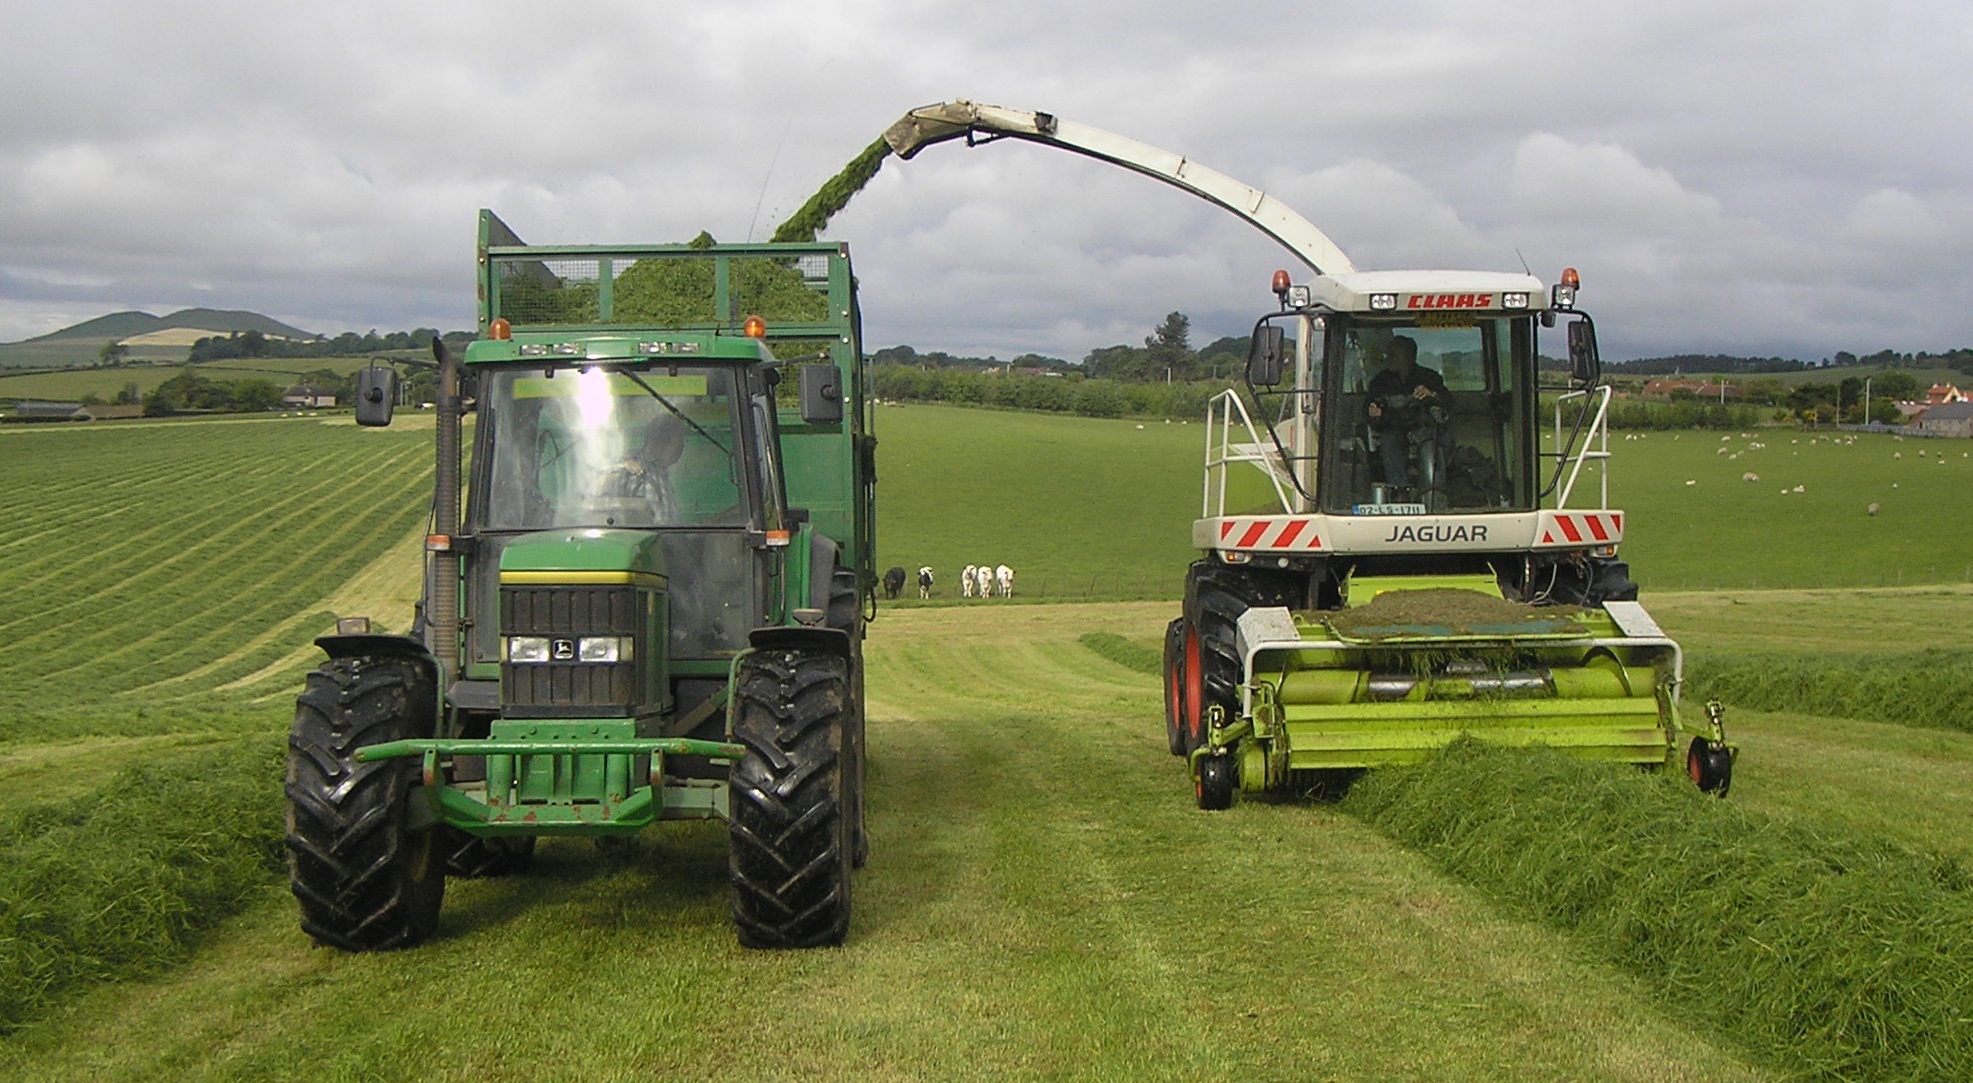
{"x": 1940, "y": 394}
{"x": 307, "y": 398}
{"x": 1950, "y": 419}
{"x": 71, "y": 411}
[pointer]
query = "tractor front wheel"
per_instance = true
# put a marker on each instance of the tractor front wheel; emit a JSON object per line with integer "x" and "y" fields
{"x": 791, "y": 835}
{"x": 365, "y": 880}
{"x": 1710, "y": 767}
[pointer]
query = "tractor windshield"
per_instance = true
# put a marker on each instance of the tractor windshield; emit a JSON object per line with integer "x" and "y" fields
{"x": 1428, "y": 417}
{"x": 612, "y": 447}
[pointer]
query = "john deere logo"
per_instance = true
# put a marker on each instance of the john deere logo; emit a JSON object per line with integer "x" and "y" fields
{"x": 562, "y": 650}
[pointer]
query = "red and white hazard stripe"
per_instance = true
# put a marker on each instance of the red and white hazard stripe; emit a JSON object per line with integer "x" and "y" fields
{"x": 1581, "y": 528}
{"x": 1293, "y": 533}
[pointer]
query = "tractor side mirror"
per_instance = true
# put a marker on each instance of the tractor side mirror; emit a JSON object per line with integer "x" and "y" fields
{"x": 376, "y": 393}
{"x": 1264, "y": 356}
{"x": 1584, "y": 366}
{"x": 822, "y": 395}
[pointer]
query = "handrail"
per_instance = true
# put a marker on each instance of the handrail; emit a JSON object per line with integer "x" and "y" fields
{"x": 1596, "y": 445}
{"x": 1219, "y": 421}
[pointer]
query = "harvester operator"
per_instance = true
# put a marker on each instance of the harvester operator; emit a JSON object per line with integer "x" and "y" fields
{"x": 1407, "y": 405}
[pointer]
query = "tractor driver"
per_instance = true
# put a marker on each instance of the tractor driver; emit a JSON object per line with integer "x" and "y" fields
{"x": 646, "y": 472}
{"x": 1407, "y": 406}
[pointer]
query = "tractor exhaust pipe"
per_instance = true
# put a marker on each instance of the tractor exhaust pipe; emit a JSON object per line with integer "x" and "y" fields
{"x": 444, "y": 620}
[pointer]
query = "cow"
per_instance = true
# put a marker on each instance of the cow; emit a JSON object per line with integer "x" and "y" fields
{"x": 925, "y": 582}
{"x": 893, "y": 582}
{"x": 984, "y": 575}
{"x": 1004, "y": 577}
{"x": 967, "y": 581}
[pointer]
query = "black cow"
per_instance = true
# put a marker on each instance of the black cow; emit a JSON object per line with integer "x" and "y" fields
{"x": 893, "y": 582}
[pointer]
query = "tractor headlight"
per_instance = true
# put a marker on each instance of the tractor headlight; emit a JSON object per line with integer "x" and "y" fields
{"x": 527, "y": 648}
{"x": 603, "y": 649}
{"x": 1383, "y": 302}
{"x": 1514, "y": 300}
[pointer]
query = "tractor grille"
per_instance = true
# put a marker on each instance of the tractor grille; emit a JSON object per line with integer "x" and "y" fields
{"x": 566, "y": 686}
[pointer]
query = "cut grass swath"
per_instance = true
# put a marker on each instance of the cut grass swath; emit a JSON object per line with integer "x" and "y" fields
{"x": 1911, "y": 688}
{"x": 1124, "y": 652}
{"x": 1836, "y": 956}
{"x": 118, "y": 884}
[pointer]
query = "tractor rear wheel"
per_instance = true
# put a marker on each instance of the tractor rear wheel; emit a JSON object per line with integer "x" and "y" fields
{"x": 365, "y": 880}
{"x": 1217, "y": 778}
{"x": 791, "y": 834}
{"x": 1175, "y": 724}
{"x": 1709, "y": 768}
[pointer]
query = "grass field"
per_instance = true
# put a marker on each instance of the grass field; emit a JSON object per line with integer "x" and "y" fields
{"x": 107, "y": 383}
{"x": 1042, "y": 900}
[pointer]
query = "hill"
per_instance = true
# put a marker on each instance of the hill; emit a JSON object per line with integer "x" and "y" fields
{"x": 118, "y": 326}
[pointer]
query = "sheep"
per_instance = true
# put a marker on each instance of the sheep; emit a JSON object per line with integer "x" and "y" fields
{"x": 925, "y": 582}
{"x": 1872, "y": 509}
{"x": 966, "y": 581}
{"x": 893, "y": 581}
{"x": 1004, "y": 577}
{"x": 1750, "y": 476}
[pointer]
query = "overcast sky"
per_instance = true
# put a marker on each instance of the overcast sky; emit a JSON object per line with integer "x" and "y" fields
{"x": 1751, "y": 178}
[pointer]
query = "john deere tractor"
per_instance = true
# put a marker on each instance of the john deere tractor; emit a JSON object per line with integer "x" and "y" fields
{"x": 1415, "y": 541}
{"x": 644, "y": 599}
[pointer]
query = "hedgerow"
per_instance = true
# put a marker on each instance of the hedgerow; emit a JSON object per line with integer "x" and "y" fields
{"x": 1836, "y": 956}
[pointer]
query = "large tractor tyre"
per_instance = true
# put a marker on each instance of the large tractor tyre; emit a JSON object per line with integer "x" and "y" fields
{"x": 844, "y": 613}
{"x": 365, "y": 880}
{"x": 1175, "y": 724}
{"x": 1217, "y": 779}
{"x": 474, "y": 858}
{"x": 1215, "y": 596}
{"x": 790, "y": 835}
{"x": 1709, "y": 767}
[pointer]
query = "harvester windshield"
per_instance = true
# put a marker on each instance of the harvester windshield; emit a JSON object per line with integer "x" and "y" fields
{"x": 1427, "y": 416}
{"x": 612, "y": 447}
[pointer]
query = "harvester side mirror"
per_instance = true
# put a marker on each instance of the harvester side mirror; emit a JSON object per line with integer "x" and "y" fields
{"x": 822, "y": 395}
{"x": 1584, "y": 365}
{"x": 1264, "y": 356}
{"x": 376, "y": 393}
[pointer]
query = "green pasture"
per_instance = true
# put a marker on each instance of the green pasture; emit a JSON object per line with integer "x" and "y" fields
{"x": 107, "y": 383}
{"x": 1042, "y": 901}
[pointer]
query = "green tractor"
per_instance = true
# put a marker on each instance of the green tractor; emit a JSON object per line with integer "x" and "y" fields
{"x": 644, "y": 599}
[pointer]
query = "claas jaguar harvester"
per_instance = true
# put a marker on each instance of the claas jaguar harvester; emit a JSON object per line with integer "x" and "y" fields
{"x": 1415, "y": 543}
{"x": 643, "y": 601}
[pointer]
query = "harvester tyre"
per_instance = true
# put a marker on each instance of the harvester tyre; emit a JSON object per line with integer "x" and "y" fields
{"x": 845, "y": 613}
{"x": 365, "y": 880}
{"x": 1710, "y": 768}
{"x": 1215, "y": 597}
{"x": 1175, "y": 724}
{"x": 1218, "y": 777}
{"x": 790, "y": 835}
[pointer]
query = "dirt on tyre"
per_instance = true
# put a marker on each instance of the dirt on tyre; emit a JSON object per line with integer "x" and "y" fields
{"x": 791, "y": 832}
{"x": 366, "y": 881}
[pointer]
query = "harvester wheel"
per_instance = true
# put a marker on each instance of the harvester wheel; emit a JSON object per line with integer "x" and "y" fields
{"x": 1215, "y": 596}
{"x": 365, "y": 880}
{"x": 1217, "y": 779}
{"x": 472, "y": 858}
{"x": 791, "y": 835}
{"x": 1710, "y": 768}
{"x": 1175, "y": 724}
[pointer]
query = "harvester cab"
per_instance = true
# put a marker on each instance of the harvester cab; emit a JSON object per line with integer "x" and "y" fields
{"x": 644, "y": 599}
{"x": 1414, "y": 542}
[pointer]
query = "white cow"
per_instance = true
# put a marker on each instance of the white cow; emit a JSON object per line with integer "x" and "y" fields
{"x": 1004, "y": 576}
{"x": 983, "y": 577}
{"x": 924, "y": 582}
{"x": 966, "y": 581}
